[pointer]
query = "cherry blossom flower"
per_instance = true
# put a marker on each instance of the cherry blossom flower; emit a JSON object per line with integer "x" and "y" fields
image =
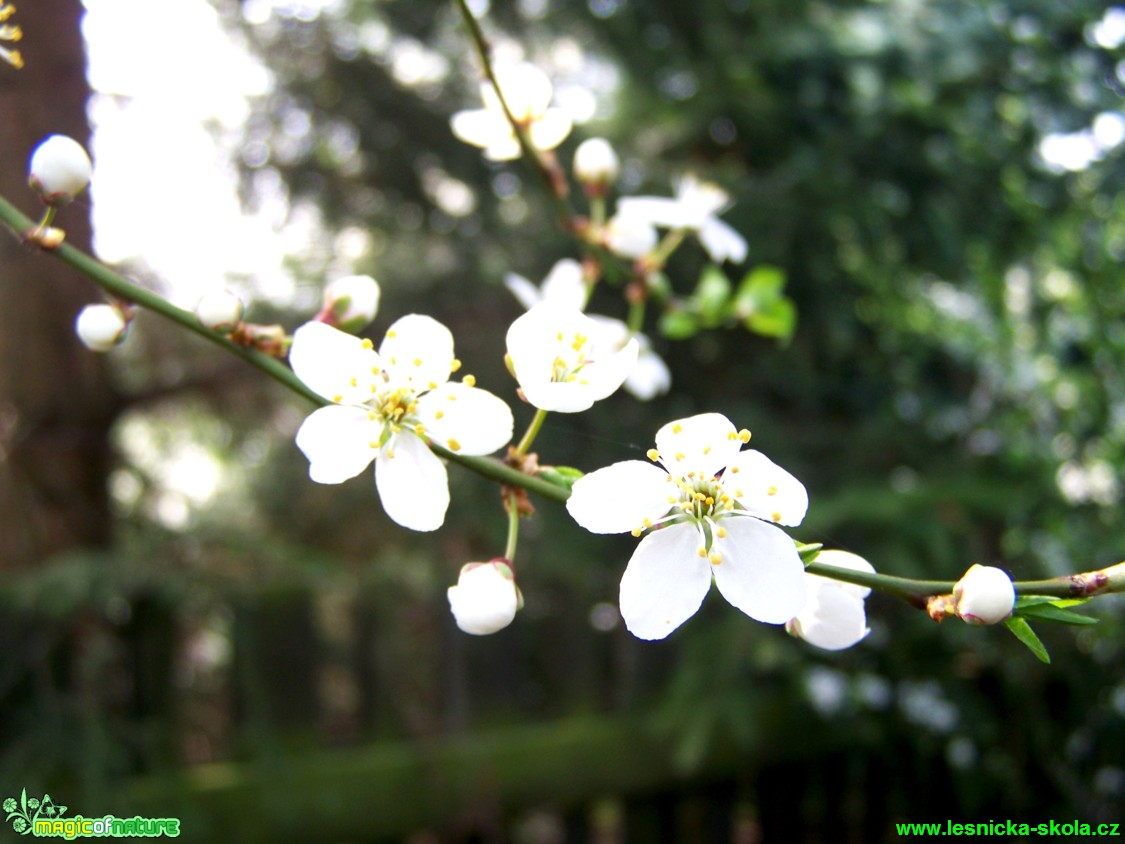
{"x": 59, "y": 170}
{"x": 566, "y": 287}
{"x": 596, "y": 164}
{"x": 528, "y": 92}
{"x": 695, "y": 209}
{"x": 485, "y": 598}
{"x": 630, "y": 236}
{"x": 101, "y": 327}
{"x": 386, "y": 406}
{"x": 709, "y": 514}
{"x": 219, "y": 310}
{"x": 833, "y": 616}
{"x": 984, "y": 595}
{"x": 350, "y": 303}
{"x": 563, "y": 360}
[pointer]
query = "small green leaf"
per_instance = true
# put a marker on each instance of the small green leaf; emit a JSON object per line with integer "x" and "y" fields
{"x": 1022, "y": 631}
{"x": 762, "y": 305}
{"x": 678, "y": 325}
{"x": 808, "y": 552}
{"x": 711, "y": 296}
{"x": 778, "y": 320}
{"x": 1052, "y": 612}
{"x": 564, "y": 476}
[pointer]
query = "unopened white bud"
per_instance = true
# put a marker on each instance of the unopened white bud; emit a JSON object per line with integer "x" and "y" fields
{"x": 60, "y": 169}
{"x": 485, "y": 598}
{"x": 984, "y": 595}
{"x": 350, "y": 303}
{"x": 630, "y": 236}
{"x": 101, "y": 327}
{"x": 220, "y": 310}
{"x": 595, "y": 163}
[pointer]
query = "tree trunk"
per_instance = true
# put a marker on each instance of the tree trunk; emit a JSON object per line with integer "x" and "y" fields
{"x": 56, "y": 405}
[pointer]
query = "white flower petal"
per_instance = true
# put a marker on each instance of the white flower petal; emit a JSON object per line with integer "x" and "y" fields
{"x": 701, "y": 199}
{"x": 845, "y": 560}
{"x": 606, "y": 374}
{"x": 326, "y": 359}
{"x": 704, "y": 444}
{"x": 832, "y": 618}
{"x": 417, "y": 351}
{"x": 503, "y": 149}
{"x": 722, "y": 242}
{"x": 630, "y": 236}
{"x": 760, "y": 571}
{"x": 765, "y": 489}
{"x": 527, "y": 91}
{"x": 658, "y": 211}
{"x": 665, "y": 582}
{"x": 565, "y": 285}
{"x": 526, "y": 293}
{"x": 412, "y": 483}
{"x": 550, "y": 130}
{"x": 480, "y": 127}
{"x": 337, "y": 442}
{"x": 465, "y": 419}
{"x": 620, "y": 497}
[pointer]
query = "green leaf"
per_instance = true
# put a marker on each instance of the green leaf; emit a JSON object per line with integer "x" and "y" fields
{"x": 1022, "y": 631}
{"x": 779, "y": 320}
{"x": 712, "y": 295}
{"x": 678, "y": 325}
{"x": 762, "y": 305}
{"x": 809, "y": 551}
{"x": 1052, "y": 612}
{"x": 564, "y": 476}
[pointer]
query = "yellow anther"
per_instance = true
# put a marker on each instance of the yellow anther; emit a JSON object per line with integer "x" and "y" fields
{"x": 709, "y": 501}
{"x": 417, "y": 361}
{"x": 677, "y": 428}
{"x": 431, "y": 386}
{"x": 6, "y": 11}
{"x": 744, "y": 435}
{"x": 671, "y": 499}
{"x": 391, "y": 335}
{"x": 699, "y": 496}
{"x": 559, "y": 336}
{"x": 635, "y": 531}
{"x": 771, "y": 491}
{"x": 776, "y": 517}
{"x": 419, "y": 429}
{"x": 439, "y": 414}
{"x": 367, "y": 344}
{"x": 707, "y": 450}
{"x": 372, "y": 389}
{"x": 451, "y": 397}
{"x": 374, "y": 370}
{"x": 354, "y": 381}
{"x": 738, "y": 493}
{"x": 394, "y": 362}
{"x": 396, "y": 429}
{"x": 372, "y": 416}
{"x": 702, "y": 552}
{"x": 470, "y": 380}
{"x": 721, "y": 533}
{"x": 653, "y": 455}
{"x": 579, "y": 342}
{"x": 373, "y": 444}
{"x": 337, "y": 398}
{"x": 455, "y": 365}
{"x": 679, "y": 455}
{"x": 732, "y": 436}
{"x": 453, "y": 444}
{"x": 646, "y": 522}
{"x": 716, "y": 558}
{"x": 734, "y": 470}
{"x": 389, "y": 454}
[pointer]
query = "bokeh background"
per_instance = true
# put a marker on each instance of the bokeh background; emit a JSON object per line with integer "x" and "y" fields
{"x": 191, "y": 628}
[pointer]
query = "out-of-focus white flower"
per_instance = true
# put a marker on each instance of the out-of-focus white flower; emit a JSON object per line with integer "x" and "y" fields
{"x": 219, "y": 310}
{"x": 564, "y": 286}
{"x": 833, "y": 616}
{"x": 350, "y": 303}
{"x": 596, "y": 164}
{"x": 387, "y": 406}
{"x": 984, "y": 595}
{"x": 630, "y": 235}
{"x": 709, "y": 513}
{"x": 101, "y": 327}
{"x": 485, "y": 598}
{"x": 695, "y": 208}
{"x": 563, "y": 361}
{"x": 59, "y": 170}
{"x": 528, "y": 92}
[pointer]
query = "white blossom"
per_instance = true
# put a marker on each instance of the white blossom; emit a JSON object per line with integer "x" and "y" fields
{"x": 595, "y": 163}
{"x": 562, "y": 359}
{"x": 984, "y": 595}
{"x": 833, "y": 616}
{"x": 387, "y": 406}
{"x": 707, "y": 511}
{"x": 101, "y": 327}
{"x": 350, "y": 303}
{"x": 485, "y": 598}
{"x": 527, "y": 92}
{"x": 695, "y": 208}
{"x": 630, "y": 235}
{"x": 219, "y": 310}
{"x": 60, "y": 169}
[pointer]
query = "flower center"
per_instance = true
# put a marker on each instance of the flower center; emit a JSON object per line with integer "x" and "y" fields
{"x": 571, "y": 359}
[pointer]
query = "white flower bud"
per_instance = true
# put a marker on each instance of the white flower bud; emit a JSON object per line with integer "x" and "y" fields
{"x": 595, "y": 163}
{"x": 485, "y": 598}
{"x": 630, "y": 236}
{"x": 219, "y": 310}
{"x": 984, "y": 595}
{"x": 350, "y": 303}
{"x": 60, "y": 169}
{"x": 101, "y": 327}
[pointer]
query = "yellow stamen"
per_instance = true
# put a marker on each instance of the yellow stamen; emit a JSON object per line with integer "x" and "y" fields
{"x": 776, "y": 517}
{"x": 744, "y": 435}
{"x": 453, "y": 444}
{"x": 721, "y": 533}
{"x": 677, "y": 428}
{"x": 716, "y": 558}
{"x": 653, "y": 455}
{"x": 439, "y": 414}
{"x": 679, "y": 455}
{"x": 373, "y": 444}
{"x": 635, "y": 531}
{"x": 391, "y": 335}
{"x": 354, "y": 380}
{"x": 470, "y": 380}
{"x": 453, "y": 367}
{"x": 337, "y": 398}
{"x": 702, "y": 552}
{"x": 771, "y": 491}
{"x": 367, "y": 344}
